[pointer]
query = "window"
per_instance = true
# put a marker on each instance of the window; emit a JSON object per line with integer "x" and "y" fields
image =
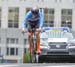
{"x": 25, "y": 41}
{"x": 12, "y": 51}
{"x": 0, "y": 16}
{"x": 48, "y": 17}
{"x": 12, "y": 41}
{"x": 13, "y": 17}
{"x": 66, "y": 17}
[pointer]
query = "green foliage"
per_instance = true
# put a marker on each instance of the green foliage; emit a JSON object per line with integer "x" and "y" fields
{"x": 26, "y": 58}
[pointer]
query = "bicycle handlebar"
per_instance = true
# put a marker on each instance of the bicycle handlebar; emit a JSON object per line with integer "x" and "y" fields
{"x": 34, "y": 30}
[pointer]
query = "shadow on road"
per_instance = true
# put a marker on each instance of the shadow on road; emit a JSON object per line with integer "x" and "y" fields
{"x": 57, "y": 59}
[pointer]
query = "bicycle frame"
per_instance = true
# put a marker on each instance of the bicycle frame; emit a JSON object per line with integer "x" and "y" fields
{"x": 34, "y": 56}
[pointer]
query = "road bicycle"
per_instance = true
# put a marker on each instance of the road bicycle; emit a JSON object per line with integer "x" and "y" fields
{"x": 33, "y": 55}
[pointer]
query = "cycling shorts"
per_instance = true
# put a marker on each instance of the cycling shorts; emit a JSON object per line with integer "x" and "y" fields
{"x": 33, "y": 24}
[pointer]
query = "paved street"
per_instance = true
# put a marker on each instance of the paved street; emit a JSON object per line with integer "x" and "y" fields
{"x": 40, "y": 65}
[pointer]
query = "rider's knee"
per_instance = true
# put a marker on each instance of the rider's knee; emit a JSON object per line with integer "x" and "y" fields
{"x": 37, "y": 33}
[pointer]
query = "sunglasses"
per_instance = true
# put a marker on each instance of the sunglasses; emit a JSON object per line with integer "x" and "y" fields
{"x": 35, "y": 12}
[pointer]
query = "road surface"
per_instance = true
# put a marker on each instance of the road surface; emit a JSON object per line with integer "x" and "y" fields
{"x": 40, "y": 65}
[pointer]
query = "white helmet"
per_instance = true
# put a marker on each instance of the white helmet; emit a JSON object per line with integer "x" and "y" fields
{"x": 35, "y": 10}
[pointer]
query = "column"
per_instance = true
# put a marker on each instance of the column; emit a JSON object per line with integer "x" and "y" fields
{"x": 21, "y": 15}
{"x": 57, "y": 15}
{"x": 4, "y": 16}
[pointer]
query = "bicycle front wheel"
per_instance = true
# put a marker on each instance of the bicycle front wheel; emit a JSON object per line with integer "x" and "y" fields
{"x": 33, "y": 57}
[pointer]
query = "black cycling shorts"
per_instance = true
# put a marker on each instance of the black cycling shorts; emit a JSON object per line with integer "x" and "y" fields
{"x": 33, "y": 23}
{"x": 30, "y": 27}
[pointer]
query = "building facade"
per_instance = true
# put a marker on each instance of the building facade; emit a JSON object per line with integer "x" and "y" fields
{"x": 56, "y": 13}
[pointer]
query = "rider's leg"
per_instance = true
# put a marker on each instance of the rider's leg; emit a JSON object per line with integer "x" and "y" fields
{"x": 37, "y": 42}
{"x": 30, "y": 41}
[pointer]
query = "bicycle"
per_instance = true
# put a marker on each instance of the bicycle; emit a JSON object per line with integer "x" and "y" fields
{"x": 34, "y": 56}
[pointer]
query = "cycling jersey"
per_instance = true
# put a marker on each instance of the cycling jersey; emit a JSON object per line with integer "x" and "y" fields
{"x": 33, "y": 21}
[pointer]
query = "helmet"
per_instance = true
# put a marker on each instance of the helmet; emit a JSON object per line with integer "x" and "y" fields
{"x": 35, "y": 10}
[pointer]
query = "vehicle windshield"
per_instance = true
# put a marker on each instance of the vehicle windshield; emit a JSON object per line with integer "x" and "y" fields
{"x": 53, "y": 32}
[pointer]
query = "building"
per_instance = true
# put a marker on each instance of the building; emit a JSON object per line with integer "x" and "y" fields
{"x": 12, "y": 43}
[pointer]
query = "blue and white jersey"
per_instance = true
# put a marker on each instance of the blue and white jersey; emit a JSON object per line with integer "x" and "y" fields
{"x": 29, "y": 16}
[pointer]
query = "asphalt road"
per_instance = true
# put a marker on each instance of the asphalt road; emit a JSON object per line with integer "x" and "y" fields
{"x": 39, "y": 65}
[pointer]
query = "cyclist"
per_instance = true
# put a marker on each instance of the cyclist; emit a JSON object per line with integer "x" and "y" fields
{"x": 33, "y": 19}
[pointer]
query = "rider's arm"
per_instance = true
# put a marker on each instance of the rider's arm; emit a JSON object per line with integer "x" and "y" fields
{"x": 25, "y": 19}
{"x": 41, "y": 19}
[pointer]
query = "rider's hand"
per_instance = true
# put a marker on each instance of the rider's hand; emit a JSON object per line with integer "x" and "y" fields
{"x": 23, "y": 30}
